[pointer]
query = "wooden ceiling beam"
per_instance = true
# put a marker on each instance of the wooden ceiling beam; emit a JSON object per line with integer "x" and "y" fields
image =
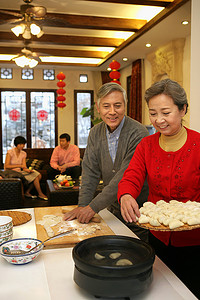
{"x": 173, "y": 6}
{"x": 83, "y": 22}
{"x": 52, "y": 39}
{"x": 138, "y": 2}
{"x": 55, "y": 52}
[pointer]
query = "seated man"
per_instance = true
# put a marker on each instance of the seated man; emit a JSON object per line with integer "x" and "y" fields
{"x": 65, "y": 159}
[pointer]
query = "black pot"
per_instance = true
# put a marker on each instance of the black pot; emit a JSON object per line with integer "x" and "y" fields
{"x": 103, "y": 278}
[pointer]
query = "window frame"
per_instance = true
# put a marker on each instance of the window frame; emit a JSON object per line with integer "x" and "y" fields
{"x": 28, "y": 116}
{"x": 91, "y": 92}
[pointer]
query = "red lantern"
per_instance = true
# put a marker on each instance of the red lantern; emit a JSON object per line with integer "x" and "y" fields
{"x": 61, "y": 91}
{"x": 61, "y": 84}
{"x": 61, "y": 105}
{"x": 60, "y": 98}
{"x": 42, "y": 115}
{"x": 61, "y": 76}
{"x": 14, "y": 115}
{"x": 114, "y": 74}
{"x": 114, "y": 65}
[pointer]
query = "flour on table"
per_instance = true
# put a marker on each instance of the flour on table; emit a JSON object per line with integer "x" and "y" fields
{"x": 81, "y": 229}
{"x": 48, "y": 221}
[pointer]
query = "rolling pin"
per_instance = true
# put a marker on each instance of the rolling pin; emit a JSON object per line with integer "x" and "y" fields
{"x": 95, "y": 219}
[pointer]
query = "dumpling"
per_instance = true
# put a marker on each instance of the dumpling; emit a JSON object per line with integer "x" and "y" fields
{"x": 143, "y": 219}
{"x": 99, "y": 256}
{"x": 124, "y": 262}
{"x": 175, "y": 224}
{"x": 115, "y": 255}
{"x": 154, "y": 222}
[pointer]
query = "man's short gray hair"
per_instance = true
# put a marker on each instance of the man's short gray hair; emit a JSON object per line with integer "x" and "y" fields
{"x": 108, "y": 88}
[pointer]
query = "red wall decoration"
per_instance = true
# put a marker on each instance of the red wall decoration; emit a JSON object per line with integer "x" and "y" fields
{"x": 114, "y": 74}
{"x": 14, "y": 115}
{"x": 42, "y": 115}
{"x": 60, "y": 92}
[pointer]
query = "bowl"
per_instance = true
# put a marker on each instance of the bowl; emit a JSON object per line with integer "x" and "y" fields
{"x": 7, "y": 232}
{"x": 6, "y": 238}
{"x": 102, "y": 276}
{"x": 21, "y": 244}
{"x": 5, "y": 223}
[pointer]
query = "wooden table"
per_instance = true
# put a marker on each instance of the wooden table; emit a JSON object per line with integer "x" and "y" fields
{"x": 65, "y": 196}
{"x": 62, "y": 196}
{"x": 50, "y": 276}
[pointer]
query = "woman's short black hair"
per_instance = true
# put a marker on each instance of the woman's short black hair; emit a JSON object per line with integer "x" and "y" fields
{"x": 65, "y": 136}
{"x": 19, "y": 140}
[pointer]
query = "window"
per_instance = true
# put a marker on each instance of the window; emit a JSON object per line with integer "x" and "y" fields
{"x": 83, "y": 78}
{"x": 6, "y": 73}
{"x": 32, "y": 114}
{"x": 49, "y": 74}
{"x": 82, "y": 99}
{"x": 27, "y": 74}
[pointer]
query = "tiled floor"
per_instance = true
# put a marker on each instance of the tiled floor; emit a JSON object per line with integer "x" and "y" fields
{"x": 28, "y": 202}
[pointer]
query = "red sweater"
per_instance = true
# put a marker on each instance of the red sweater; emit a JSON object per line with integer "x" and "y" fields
{"x": 170, "y": 175}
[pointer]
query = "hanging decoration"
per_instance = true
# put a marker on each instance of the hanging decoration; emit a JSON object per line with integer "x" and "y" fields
{"x": 14, "y": 115}
{"x": 114, "y": 74}
{"x": 42, "y": 115}
{"x": 61, "y": 91}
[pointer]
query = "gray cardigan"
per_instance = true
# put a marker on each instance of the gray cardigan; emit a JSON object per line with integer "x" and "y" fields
{"x": 98, "y": 164}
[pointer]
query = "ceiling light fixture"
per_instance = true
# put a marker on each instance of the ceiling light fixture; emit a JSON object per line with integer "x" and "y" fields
{"x": 148, "y": 45}
{"x": 185, "y": 22}
{"x": 125, "y": 59}
{"x": 26, "y": 29}
{"x": 26, "y": 59}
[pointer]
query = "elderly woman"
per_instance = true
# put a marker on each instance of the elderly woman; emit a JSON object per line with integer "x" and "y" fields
{"x": 171, "y": 160}
{"x": 16, "y": 160}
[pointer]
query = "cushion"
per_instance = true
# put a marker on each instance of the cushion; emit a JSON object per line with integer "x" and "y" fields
{"x": 36, "y": 164}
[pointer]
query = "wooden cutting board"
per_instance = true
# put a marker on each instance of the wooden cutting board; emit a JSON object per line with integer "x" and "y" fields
{"x": 83, "y": 231}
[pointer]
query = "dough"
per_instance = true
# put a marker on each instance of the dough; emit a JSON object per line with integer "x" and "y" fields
{"x": 115, "y": 255}
{"x": 123, "y": 262}
{"x": 49, "y": 230}
{"x": 99, "y": 256}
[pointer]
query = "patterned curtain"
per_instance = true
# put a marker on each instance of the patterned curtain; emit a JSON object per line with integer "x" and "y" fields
{"x": 135, "y": 103}
{"x": 105, "y": 77}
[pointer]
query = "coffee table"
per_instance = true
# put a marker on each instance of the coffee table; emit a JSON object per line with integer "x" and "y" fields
{"x": 64, "y": 196}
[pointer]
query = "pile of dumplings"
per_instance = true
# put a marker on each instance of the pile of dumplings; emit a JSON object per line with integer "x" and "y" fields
{"x": 173, "y": 214}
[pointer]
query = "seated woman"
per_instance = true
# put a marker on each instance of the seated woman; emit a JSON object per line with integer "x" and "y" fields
{"x": 16, "y": 160}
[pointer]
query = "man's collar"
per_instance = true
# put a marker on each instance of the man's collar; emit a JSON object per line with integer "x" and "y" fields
{"x": 118, "y": 129}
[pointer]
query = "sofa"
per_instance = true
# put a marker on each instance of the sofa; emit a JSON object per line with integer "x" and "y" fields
{"x": 11, "y": 195}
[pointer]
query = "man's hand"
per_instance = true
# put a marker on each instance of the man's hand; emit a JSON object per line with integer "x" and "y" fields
{"x": 71, "y": 215}
{"x": 62, "y": 168}
{"x": 83, "y": 214}
{"x": 129, "y": 208}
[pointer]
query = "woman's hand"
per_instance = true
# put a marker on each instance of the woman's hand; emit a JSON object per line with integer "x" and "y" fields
{"x": 129, "y": 208}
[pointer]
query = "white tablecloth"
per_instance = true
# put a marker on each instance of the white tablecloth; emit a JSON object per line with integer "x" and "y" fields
{"x": 50, "y": 276}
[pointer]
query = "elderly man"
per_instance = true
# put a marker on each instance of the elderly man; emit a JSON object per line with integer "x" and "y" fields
{"x": 110, "y": 147}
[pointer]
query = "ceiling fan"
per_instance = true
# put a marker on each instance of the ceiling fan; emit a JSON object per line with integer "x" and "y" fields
{"x": 34, "y": 13}
{"x": 26, "y": 20}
